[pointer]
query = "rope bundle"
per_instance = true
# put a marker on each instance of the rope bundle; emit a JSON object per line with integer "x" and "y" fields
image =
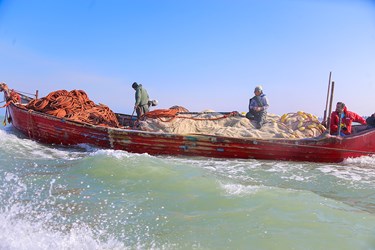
{"x": 172, "y": 113}
{"x": 76, "y": 106}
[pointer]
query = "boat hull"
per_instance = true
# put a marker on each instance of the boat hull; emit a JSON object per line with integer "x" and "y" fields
{"x": 52, "y": 130}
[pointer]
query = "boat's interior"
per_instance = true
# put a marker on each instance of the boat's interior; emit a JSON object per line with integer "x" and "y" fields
{"x": 129, "y": 120}
{"x": 360, "y": 129}
{"x": 126, "y": 120}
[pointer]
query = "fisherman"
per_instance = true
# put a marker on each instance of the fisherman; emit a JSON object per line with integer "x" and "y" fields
{"x": 258, "y": 106}
{"x": 141, "y": 99}
{"x": 341, "y": 120}
{"x": 371, "y": 121}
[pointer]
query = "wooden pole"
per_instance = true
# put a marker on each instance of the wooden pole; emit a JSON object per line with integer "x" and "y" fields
{"x": 330, "y": 107}
{"x": 131, "y": 118}
{"x": 325, "y": 110}
{"x": 339, "y": 127}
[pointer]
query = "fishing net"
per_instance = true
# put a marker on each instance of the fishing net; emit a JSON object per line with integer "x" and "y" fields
{"x": 233, "y": 124}
{"x": 75, "y": 106}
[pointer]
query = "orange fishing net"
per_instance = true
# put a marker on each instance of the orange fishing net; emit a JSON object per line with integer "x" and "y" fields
{"x": 173, "y": 113}
{"x": 179, "y": 108}
{"x": 161, "y": 113}
{"x": 76, "y": 106}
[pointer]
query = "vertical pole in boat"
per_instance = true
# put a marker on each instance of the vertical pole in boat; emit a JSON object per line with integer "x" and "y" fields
{"x": 324, "y": 122}
{"x": 131, "y": 118}
{"x": 5, "y": 117}
{"x": 330, "y": 107}
{"x": 36, "y": 94}
{"x": 132, "y": 113}
{"x": 340, "y": 120}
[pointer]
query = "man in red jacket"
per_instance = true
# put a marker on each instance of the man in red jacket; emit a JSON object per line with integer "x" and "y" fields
{"x": 343, "y": 117}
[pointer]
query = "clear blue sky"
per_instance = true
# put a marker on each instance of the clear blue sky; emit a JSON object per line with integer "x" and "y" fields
{"x": 200, "y": 54}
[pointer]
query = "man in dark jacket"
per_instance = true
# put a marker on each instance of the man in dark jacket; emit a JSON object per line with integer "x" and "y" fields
{"x": 141, "y": 99}
{"x": 258, "y": 106}
{"x": 341, "y": 120}
{"x": 371, "y": 121}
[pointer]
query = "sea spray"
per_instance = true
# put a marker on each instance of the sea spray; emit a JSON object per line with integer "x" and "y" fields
{"x": 88, "y": 198}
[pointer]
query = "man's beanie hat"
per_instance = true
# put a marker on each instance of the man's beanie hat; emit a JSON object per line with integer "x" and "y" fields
{"x": 258, "y": 88}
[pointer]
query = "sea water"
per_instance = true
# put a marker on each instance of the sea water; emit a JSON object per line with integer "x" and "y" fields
{"x": 54, "y": 197}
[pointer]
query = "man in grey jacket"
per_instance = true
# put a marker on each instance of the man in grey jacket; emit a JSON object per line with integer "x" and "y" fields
{"x": 258, "y": 106}
{"x": 141, "y": 99}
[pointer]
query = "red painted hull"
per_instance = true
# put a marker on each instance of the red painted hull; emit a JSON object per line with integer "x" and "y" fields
{"x": 52, "y": 130}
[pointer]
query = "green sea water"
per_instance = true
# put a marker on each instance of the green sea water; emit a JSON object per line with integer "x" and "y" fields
{"x": 89, "y": 198}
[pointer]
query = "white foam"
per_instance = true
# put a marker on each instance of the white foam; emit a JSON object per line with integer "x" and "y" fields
{"x": 118, "y": 154}
{"x": 240, "y": 190}
{"x": 364, "y": 161}
{"x": 23, "y": 227}
{"x": 21, "y": 234}
{"x": 29, "y": 149}
{"x": 356, "y": 174}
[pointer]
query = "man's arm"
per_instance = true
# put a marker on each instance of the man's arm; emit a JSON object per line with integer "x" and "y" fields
{"x": 334, "y": 122}
{"x": 265, "y": 103}
{"x": 252, "y": 104}
{"x": 137, "y": 97}
{"x": 360, "y": 119}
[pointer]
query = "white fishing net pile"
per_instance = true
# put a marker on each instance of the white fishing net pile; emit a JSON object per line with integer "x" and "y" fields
{"x": 291, "y": 125}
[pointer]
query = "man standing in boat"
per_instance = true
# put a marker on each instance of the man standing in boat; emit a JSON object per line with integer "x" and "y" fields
{"x": 141, "y": 99}
{"x": 341, "y": 120}
{"x": 258, "y": 106}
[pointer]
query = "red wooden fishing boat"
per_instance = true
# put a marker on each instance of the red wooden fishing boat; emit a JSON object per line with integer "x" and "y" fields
{"x": 52, "y": 130}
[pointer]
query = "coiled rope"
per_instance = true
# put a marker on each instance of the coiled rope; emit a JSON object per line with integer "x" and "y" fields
{"x": 168, "y": 115}
{"x": 75, "y": 106}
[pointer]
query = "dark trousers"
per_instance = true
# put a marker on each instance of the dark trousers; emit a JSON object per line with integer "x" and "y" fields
{"x": 259, "y": 117}
{"x": 141, "y": 110}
